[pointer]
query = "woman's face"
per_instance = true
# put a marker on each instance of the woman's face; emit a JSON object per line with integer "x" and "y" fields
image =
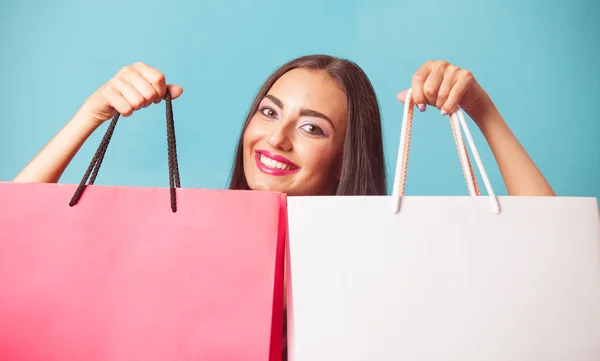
{"x": 294, "y": 141}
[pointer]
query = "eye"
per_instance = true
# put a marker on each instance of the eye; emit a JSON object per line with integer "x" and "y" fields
{"x": 312, "y": 129}
{"x": 268, "y": 112}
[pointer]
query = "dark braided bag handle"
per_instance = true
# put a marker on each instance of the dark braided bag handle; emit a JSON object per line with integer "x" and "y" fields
{"x": 94, "y": 167}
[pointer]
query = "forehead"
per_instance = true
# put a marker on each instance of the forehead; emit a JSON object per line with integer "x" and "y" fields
{"x": 311, "y": 89}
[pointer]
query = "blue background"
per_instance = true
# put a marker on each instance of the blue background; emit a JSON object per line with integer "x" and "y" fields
{"x": 539, "y": 60}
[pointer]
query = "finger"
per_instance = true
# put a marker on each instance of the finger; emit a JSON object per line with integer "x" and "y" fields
{"x": 135, "y": 78}
{"x": 175, "y": 90}
{"x": 450, "y": 78}
{"x": 154, "y": 77}
{"x": 418, "y": 81}
{"x": 116, "y": 100}
{"x": 402, "y": 96}
{"x": 128, "y": 92}
{"x": 433, "y": 83}
{"x": 458, "y": 90}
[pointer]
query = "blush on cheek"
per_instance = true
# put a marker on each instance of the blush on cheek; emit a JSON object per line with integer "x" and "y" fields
{"x": 253, "y": 133}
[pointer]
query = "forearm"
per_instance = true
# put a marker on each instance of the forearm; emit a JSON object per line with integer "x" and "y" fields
{"x": 50, "y": 163}
{"x": 521, "y": 176}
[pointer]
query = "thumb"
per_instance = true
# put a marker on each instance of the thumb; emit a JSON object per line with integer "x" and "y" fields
{"x": 174, "y": 90}
{"x": 402, "y": 96}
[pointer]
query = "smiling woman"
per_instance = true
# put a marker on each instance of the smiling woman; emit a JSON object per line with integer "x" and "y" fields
{"x": 314, "y": 127}
{"x": 317, "y": 118}
{"x": 306, "y": 139}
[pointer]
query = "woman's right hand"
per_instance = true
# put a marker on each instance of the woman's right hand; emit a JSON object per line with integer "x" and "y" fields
{"x": 134, "y": 87}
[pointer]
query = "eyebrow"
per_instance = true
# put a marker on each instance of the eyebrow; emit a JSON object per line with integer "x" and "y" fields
{"x": 305, "y": 112}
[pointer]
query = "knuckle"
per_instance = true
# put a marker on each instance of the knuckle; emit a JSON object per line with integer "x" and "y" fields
{"x": 418, "y": 77}
{"x": 113, "y": 84}
{"x": 138, "y": 102}
{"x": 157, "y": 77}
{"x": 443, "y": 95}
{"x": 138, "y": 64}
{"x": 106, "y": 89}
{"x": 117, "y": 80}
{"x": 429, "y": 91}
{"x": 125, "y": 70}
{"x": 467, "y": 74}
{"x": 125, "y": 109}
{"x": 149, "y": 94}
{"x": 442, "y": 64}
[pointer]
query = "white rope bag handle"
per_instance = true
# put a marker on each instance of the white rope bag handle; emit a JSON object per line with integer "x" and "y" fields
{"x": 457, "y": 120}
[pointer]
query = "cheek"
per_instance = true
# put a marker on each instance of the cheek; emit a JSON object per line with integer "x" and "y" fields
{"x": 251, "y": 135}
{"x": 320, "y": 158}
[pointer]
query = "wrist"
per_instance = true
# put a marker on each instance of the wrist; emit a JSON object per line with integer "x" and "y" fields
{"x": 83, "y": 124}
{"x": 84, "y": 117}
{"x": 484, "y": 111}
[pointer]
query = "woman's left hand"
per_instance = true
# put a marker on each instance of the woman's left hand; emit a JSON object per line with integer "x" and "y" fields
{"x": 445, "y": 86}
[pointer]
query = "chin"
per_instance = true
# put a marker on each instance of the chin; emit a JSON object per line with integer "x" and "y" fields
{"x": 272, "y": 187}
{"x": 262, "y": 186}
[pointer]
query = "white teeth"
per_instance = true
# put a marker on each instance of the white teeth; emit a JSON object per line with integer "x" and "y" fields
{"x": 271, "y": 163}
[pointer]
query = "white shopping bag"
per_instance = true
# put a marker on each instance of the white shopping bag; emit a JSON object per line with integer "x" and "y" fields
{"x": 479, "y": 278}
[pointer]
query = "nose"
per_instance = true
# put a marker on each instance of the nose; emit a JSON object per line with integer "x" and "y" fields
{"x": 279, "y": 138}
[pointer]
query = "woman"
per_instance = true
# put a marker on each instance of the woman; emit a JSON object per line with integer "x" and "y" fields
{"x": 314, "y": 127}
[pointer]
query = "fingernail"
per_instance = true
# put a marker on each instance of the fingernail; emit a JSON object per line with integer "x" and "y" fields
{"x": 444, "y": 112}
{"x": 421, "y": 107}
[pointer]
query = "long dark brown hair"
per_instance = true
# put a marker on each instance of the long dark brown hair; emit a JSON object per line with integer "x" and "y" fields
{"x": 363, "y": 164}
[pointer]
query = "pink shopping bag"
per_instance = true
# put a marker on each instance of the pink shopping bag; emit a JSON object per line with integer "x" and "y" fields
{"x": 120, "y": 275}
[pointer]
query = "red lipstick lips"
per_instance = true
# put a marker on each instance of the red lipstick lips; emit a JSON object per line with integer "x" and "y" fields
{"x": 272, "y": 167}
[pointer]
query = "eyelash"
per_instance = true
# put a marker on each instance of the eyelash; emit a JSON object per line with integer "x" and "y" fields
{"x": 320, "y": 132}
{"x": 262, "y": 110}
